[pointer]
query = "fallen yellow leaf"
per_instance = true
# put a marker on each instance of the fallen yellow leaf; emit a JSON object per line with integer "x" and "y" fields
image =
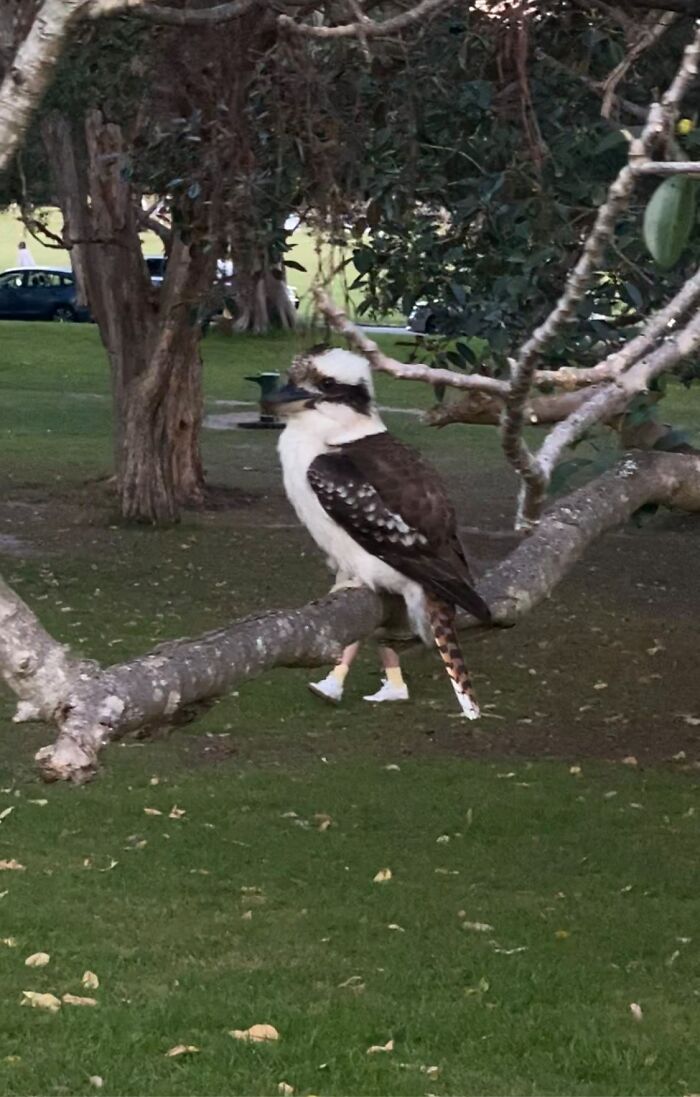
{"x": 176, "y": 812}
{"x": 96, "y": 1081}
{"x": 285, "y": 1089}
{"x": 388, "y": 1046}
{"x": 323, "y": 821}
{"x": 153, "y": 811}
{"x": 41, "y": 1001}
{"x": 382, "y": 876}
{"x": 181, "y": 1049}
{"x": 247, "y": 916}
{"x": 37, "y": 959}
{"x": 11, "y": 866}
{"x": 636, "y": 1011}
{"x": 256, "y": 1034}
{"x": 630, "y": 760}
{"x": 76, "y": 1000}
{"x": 11, "y": 942}
{"x": 90, "y": 980}
{"x": 561, "y": 934}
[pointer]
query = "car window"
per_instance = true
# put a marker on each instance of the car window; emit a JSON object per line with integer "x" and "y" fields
{"x": 41, "y": 279}
{"x": 13, "y": 279}
{"x": 67, "y": 280}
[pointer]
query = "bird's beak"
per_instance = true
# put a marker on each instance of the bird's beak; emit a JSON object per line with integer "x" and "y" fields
{"x": 287, "y": 400}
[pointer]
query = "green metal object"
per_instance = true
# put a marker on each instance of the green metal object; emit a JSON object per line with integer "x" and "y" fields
{"x": 269, "y": 382}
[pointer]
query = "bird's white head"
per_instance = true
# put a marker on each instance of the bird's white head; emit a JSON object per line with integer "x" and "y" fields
{"x": 330, "y": 392}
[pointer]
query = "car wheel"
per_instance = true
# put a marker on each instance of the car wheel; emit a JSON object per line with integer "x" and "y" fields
{"x": 63, "y": 314}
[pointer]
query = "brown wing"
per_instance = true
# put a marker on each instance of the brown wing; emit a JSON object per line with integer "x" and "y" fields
{"x": 394, "y": 504}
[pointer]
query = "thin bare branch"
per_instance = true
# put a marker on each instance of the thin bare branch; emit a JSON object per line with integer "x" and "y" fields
{"x": 650, "y": 30}
{"x": 612, "y": 398}
{"x": 594, "y": 85}
{"x": 669, "y": 167}
{"x": 659, "y": 125}
{"x": 368, "y": 28}
{"x": 403, "y": 371}
{"x": 661, "y": 323}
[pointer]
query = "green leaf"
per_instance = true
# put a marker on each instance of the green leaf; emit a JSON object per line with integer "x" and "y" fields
{"x": 669, "y": 218}
{"x": 294, "y": 265}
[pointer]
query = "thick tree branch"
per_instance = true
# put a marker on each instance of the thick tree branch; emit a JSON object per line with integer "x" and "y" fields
{"x": 93, "y": 706}
{"x": 177, "y": 17}
{"x": 367, "y": 28}
{"x": 538, "y": 564}
{"x": 482, "y": 409}
{"x": 103, "y": 706}
{"x": 30, "y": 72}
{"x": 32, "y": 663}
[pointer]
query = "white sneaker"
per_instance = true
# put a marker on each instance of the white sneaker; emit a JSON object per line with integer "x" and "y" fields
{"x": 330, "y": 689}
{"x": 388, "y": 692}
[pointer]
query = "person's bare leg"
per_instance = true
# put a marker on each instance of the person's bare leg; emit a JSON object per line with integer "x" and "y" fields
{"x": 393, "y": 688}
{"x": 331, "y": 687}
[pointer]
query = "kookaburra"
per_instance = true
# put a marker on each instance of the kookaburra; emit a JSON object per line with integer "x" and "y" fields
{"x": 375, "y": 507}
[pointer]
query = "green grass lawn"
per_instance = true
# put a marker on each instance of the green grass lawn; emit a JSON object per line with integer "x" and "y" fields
{"x": 529, "y": 906}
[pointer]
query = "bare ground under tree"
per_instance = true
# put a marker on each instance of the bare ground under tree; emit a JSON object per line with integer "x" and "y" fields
{"x": 605, "y": 668}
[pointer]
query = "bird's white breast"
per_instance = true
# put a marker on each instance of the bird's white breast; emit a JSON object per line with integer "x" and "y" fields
{"x": 298, "y": 447}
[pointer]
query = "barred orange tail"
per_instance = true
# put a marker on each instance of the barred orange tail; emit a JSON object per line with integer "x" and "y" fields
{"x": 442, "y": 622}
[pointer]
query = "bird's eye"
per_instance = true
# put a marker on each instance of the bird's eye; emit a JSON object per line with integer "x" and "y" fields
{"x": 327, "y": 384}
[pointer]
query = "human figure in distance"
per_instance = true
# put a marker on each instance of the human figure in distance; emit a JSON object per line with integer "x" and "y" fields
{"x": 393, "y": 687}
{"x": 24, "y": 256}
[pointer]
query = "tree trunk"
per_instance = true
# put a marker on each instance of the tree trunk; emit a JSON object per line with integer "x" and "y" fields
{"x": 152, "y": 342}
{"x": 262, "y": 301}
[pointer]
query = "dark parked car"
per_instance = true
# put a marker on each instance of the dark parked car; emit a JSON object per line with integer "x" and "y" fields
{"x": 39, "y": 293}
{"x": 423, "y": 319}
